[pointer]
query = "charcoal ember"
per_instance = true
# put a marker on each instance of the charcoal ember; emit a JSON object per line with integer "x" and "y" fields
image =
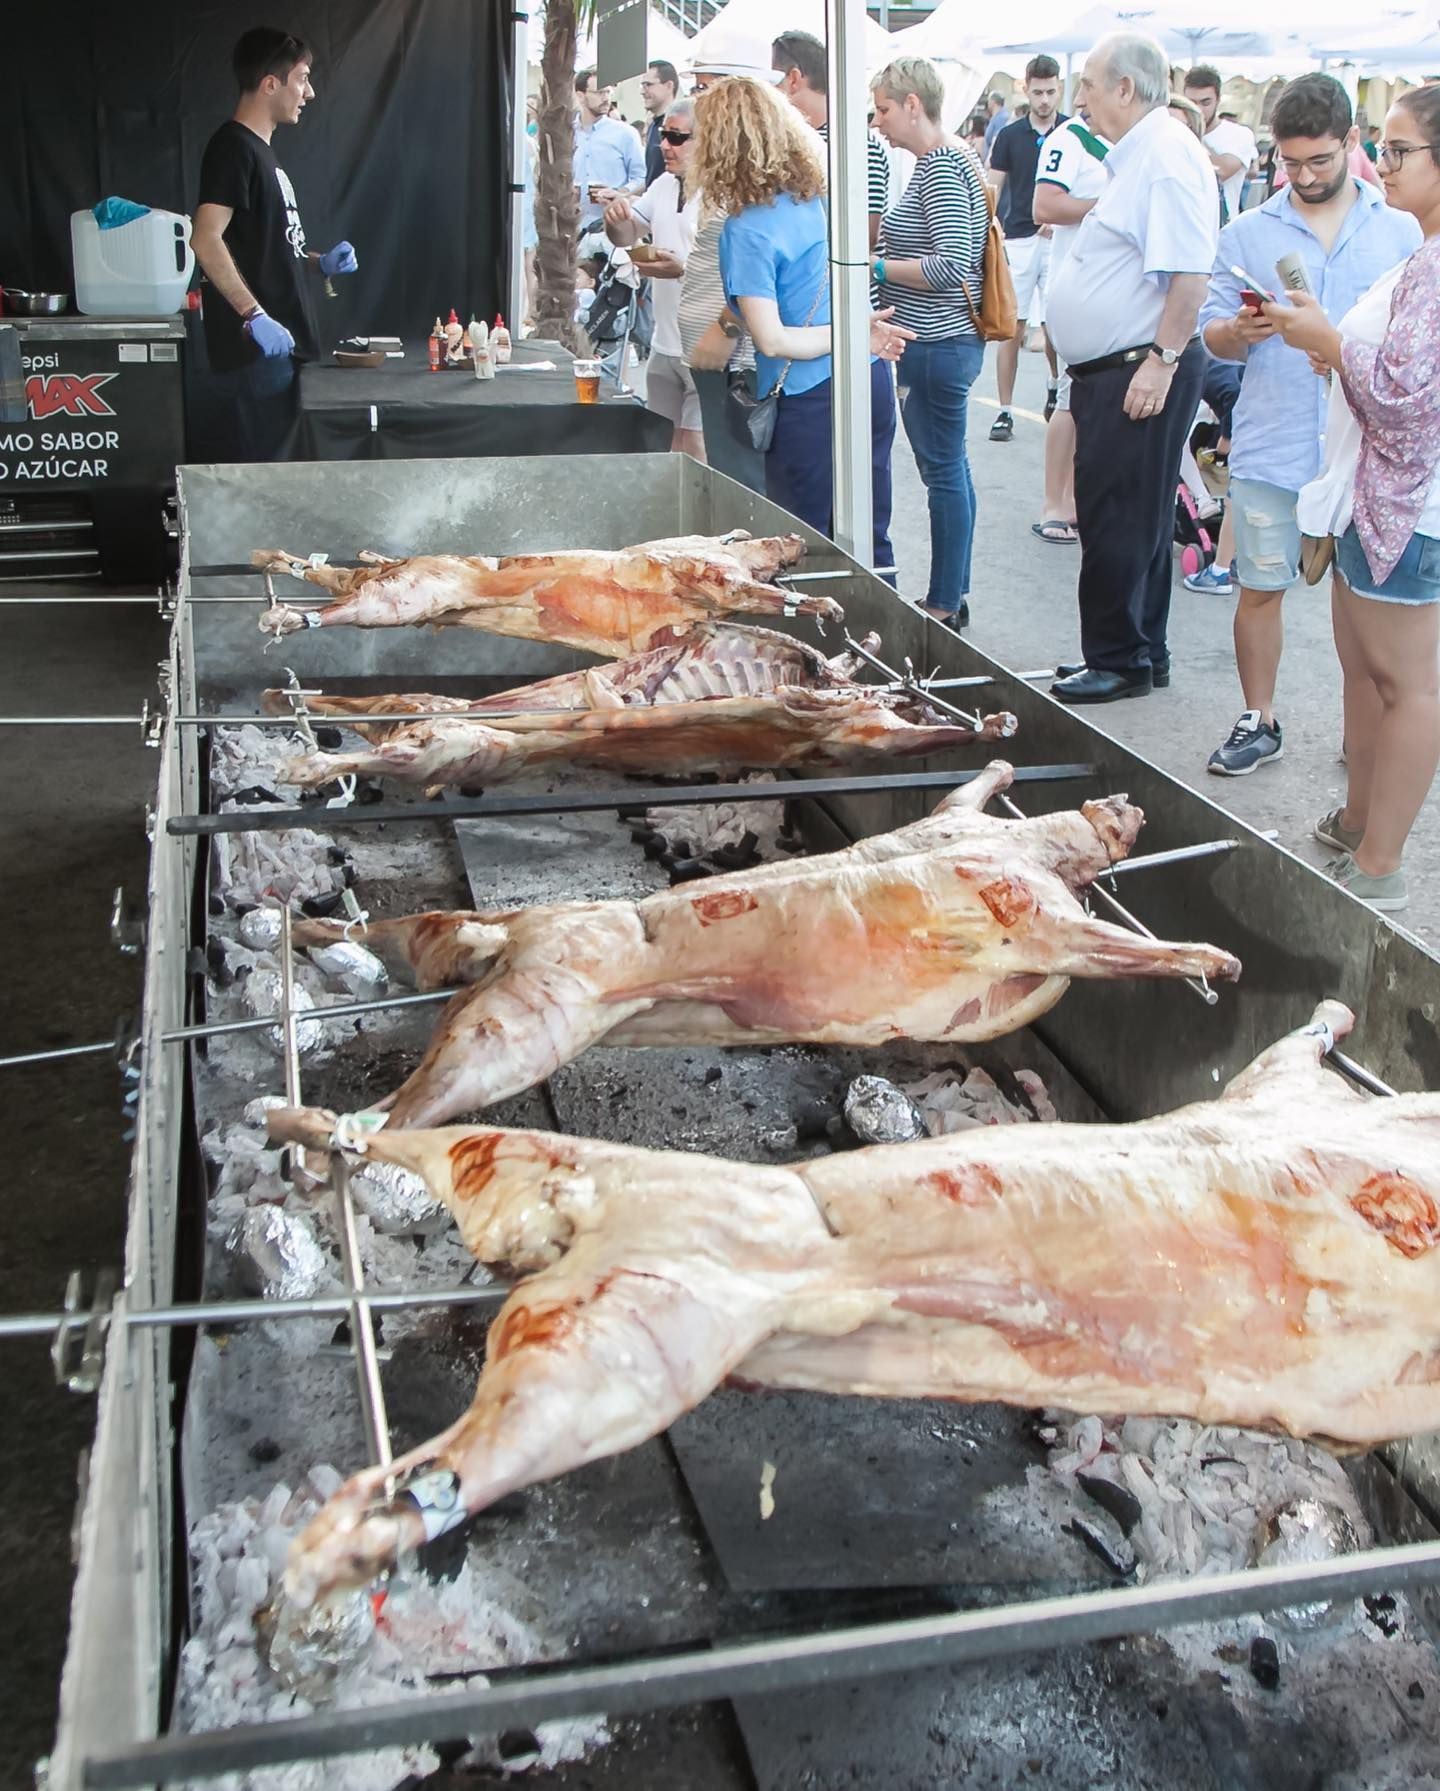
{"x": 310, "y": 1648}
{"x": 276, "y": 1254}
{"x": 260, "y": 928}
{"x": 1105, "y": 1539}
{"x": 265, "y": 994}
{"x": 257, "y": 793}
{"x": 878, "y": 1112}
{"x": 367, "y": 790}
{"x": 735, "y": 858}
{"x": 518, "y": 1747}
{"x": 688, "y": 870}
{"x": 213, "y": 960}
{"x": 323, "y": 792}
{"x": 656, "y": 847}
{"x": 329, "y": 739}
{"x": 1306, "y": 1532}
{"x": 1265, "y": 1662}
{"x": 642, "y": 835}
{"x": 1117, "y": 1500}
{"x": 353, "y": 967}
{"x": 472, "y": 792}
{"x": 813, "y": 1121}
{"x": 323, "y": 907}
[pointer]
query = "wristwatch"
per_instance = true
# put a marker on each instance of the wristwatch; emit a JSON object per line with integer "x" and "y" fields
{"x": 729, "y": 327}
{"x": 1168, "y": 355}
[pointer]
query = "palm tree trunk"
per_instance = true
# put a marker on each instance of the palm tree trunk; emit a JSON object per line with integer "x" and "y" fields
{"x": 557, "y": 205}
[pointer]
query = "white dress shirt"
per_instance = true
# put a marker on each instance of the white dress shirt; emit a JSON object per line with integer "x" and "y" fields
{"x": 1229, "y": 138}
{"x": 672, "y": 227}
{"x": 1156, "y": 217}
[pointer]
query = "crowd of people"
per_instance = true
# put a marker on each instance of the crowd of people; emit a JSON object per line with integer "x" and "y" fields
{"x": 1304, "y": 323}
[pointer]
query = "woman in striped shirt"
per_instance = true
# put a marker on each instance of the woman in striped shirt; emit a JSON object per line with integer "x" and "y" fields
{"x": 929, "y": 265}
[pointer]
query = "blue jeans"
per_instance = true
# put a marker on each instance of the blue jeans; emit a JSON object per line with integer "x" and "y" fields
{"x": 798, "y": 473}
{"x": 935, "y": 382}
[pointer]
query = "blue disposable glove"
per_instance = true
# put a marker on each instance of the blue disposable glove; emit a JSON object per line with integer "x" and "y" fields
{"x": 339, "y": 260}
{"x": 270, "y": 337}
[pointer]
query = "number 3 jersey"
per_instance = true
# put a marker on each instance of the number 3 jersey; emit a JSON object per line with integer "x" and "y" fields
{"x": 1073, "y": 159}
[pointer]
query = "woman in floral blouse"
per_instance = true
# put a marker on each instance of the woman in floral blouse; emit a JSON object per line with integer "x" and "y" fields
{"x": 1379, "y": 495}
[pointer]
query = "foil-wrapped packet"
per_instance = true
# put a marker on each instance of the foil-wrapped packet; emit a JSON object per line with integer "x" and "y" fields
{"x": 265, "y": 994}
{"x": 309, "y": 1649}
{"x": 878, "y": 1112}
{"x": 355, "y": 968}
{"x": 394, "y": 1199}
{"x": 1307, "y": 1532}
{"x": 277, "y": 1254}
{"x": 260, "y": 928}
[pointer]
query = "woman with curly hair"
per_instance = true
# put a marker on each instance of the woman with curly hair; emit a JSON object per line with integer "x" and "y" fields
{"x": 757, "y": 162}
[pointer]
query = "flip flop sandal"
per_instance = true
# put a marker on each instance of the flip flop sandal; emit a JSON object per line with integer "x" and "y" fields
{"x": 1057, "y": 534}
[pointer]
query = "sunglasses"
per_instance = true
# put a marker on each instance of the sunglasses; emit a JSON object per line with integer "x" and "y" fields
{"x": 676, "y": 138}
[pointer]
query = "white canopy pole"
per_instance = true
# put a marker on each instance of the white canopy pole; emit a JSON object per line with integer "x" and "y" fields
{"x": 849, "y": 277}
{"x": 519, "y": 76}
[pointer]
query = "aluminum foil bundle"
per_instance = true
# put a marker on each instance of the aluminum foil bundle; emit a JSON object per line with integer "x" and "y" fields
{"x": 1306, "y": 1532}
{"x": 260, "y": 928}
{"x": 393, "y": 1199}
{"x": 878, "y": 1112}
{"x": 277, "y": 1254}
{"x": 265, "y": 994}
{"x": 352, "y": 967}
{"x": 309, "y": 1649}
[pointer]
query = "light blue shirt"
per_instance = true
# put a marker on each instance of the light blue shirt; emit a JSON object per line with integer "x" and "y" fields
{"x": 607, "y": 155}
{"x": 779, "y": 251}
{"x": 1279, "y": 423}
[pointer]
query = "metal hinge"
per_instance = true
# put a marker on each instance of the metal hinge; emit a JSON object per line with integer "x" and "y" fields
{"x": 82, "y": 1328}
{"x": 127, "y": 927}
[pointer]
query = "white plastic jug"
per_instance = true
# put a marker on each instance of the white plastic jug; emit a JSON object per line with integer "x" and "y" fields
{"x": 139, "y": 269}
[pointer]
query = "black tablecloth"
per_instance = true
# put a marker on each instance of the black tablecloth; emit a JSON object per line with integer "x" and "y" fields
{"x": 403, "y": 411}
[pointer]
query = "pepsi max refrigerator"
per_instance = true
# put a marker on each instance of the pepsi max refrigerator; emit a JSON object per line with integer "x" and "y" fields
{"x": 88, "y": 475}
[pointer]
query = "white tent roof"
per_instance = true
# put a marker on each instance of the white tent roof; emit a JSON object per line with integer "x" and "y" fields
{"x": 764, "y": 20}
{"x": 664, "y": 41}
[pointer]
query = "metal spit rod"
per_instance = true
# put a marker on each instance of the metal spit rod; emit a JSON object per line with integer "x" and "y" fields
{"x": 774, "y": 1663}
{"x": 904, "y": 680}
{"x": 319, "y": 818}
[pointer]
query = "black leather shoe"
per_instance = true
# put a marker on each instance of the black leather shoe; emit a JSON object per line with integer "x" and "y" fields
{"x": 1159, "y": 672}
{"x": 1089, "y": 686}
{"x": 955, "y": 618}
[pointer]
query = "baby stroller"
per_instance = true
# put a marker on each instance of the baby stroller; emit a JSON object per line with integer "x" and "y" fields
{"x": 619, "y": 316}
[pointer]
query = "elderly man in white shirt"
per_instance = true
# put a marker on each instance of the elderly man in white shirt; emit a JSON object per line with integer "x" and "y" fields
{"x": 1122, "y": 313}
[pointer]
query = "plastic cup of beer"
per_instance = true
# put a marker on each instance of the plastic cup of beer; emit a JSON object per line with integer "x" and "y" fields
{"x": 587, "y": 382}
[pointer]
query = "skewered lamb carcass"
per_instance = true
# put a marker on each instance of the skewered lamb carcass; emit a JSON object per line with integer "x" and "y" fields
{"x": 780, "y": 729}
{"x": 610, "y": 603}
{"x": 958, "y": 927}
{"x": 714, "y": 659}
{"x": 1264, "y": 1259}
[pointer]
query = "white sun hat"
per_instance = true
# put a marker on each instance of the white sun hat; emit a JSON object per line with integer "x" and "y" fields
{"x": 730, "y": 51}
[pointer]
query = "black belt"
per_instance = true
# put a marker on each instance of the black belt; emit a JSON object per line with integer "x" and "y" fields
{"x": 1122, "y": 357}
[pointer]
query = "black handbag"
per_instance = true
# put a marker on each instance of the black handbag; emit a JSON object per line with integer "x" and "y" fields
{"x": 752, "y": 419}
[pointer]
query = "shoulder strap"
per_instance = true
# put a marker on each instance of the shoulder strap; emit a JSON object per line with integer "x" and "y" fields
{"x": 779, "y": 385}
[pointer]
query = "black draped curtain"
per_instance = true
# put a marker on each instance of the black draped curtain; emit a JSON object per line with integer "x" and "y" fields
{"x": 405, "y": 149}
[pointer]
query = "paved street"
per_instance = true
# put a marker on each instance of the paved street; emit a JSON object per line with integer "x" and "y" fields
{"x": 1023, "y": 605}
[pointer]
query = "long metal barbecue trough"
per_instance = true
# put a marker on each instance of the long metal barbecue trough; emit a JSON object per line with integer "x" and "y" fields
{"x": 784, "y": 1588}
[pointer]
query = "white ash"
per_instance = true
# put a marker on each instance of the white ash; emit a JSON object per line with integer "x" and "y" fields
{"x": 707, "y": 826}
{"x": 245, "y": 756}
{"x": 252, "y": 1657}
{"x": 948, "y": 1104}
{"x": 1207, "y": 1493}
{"x": 292, "y": 866}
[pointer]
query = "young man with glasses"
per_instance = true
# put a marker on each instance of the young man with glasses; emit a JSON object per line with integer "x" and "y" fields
{"x": 1347, "y": 237}
{"x": 659, "y": 89}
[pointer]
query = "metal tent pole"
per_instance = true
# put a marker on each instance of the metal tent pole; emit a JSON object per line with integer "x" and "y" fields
{"x": 520, "y": 43}
{"x": 849, "y": 280}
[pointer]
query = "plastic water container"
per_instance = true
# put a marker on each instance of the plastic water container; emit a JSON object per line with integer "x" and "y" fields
{"x": 139, "y": 269}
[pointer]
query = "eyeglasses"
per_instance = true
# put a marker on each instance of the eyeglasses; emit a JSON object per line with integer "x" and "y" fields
{"x": 676, "y": 138}
{"x": 1315, "y": 164}
{"x": 1392, "y": 155}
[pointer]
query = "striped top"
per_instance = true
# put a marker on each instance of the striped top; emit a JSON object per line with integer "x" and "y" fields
{"x": 702, "y": 293}
{"x": 877, "y": 170}
{"x": 941, "y": 221}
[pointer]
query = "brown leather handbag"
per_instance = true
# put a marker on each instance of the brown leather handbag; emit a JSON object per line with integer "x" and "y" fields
{"x": 998, "y": 316}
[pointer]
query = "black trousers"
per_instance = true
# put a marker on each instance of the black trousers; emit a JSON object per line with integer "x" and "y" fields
{"x": 1126, "y": 475}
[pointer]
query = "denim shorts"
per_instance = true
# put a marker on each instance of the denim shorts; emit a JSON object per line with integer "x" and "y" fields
{"x": 1267, "y": 536}
{"x": 1416, "y": 578}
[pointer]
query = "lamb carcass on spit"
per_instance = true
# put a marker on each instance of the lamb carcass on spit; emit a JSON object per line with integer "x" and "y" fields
{"x": 714, "y": 659}
{"x": 610, "y": 603}
{"x": 1264, "y": 1259}
{"x": 958, "y": 927}
{"x": 780, "y": 729}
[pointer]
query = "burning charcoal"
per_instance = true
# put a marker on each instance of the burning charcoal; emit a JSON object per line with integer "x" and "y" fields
{"x": 329, "y": 739}
{"x": 213, "y": 960}
{"x": 1381, "y": 1612}
{"x": 357, "y": 970}
{"x": 260, "y": 929}
{"x": 1265, "y": 1662}
{"x": 1104, "y": 1539}
{"x": 264, "y": 1450}
{"x": 336, "y": 855}
{"x": 256, "y": 793}
{"x": 1119, "y": 1501}
{"x": 655, "y": 847}
{"x": 323, "y": 907}
{"x": 813, "y": 1121}
{"x": 518, "y": 1747}
{"x": 878, "y": 1112}
{"x": 688, "y": 870}
{"x": 472, "y": 792}
{"x": 713, "y": 1075}
{"x": 1300, "y": 1532}
{"x": 311, "y": 1648}
{"x": 276, "y": 1254}
{"x": 642, "y": 835}
{"x": 368, "y": 791}
{"x": 265, "y": 994}
{"x": 734, "y": 858}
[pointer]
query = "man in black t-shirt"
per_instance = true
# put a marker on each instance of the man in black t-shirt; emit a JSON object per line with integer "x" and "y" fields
{"x": 1014, "y": 156}
{"x": 250, "y": 243}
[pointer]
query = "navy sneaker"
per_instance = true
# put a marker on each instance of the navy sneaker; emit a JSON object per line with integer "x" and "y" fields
{"x": 1212, "y": 581}
{"x": 1252, "y": 743}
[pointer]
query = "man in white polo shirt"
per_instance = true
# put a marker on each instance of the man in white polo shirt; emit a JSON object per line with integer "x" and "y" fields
{"x": 1122, "y": 313}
